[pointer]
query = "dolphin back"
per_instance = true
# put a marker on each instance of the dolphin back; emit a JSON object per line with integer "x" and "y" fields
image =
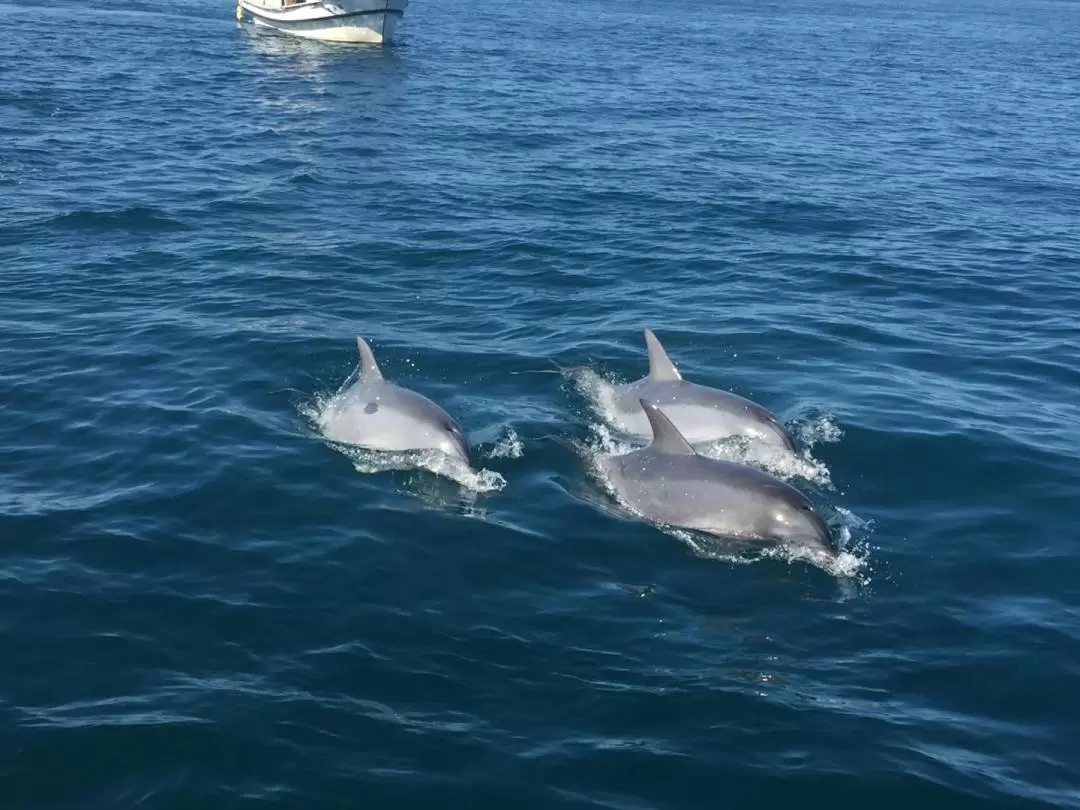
{"x": 688, "y": 492}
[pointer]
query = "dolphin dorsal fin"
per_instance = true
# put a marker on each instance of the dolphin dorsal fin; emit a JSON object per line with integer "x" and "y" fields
{"x": 660, "y": 365}
{"x": 666, "y": 437}
{"x": 368, "y": 367}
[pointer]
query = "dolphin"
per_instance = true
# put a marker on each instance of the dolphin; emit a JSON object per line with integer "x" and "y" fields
{"x": 376, "y": 414}
{"x": 668, "y": 483}
{"x": 701, "y": 414}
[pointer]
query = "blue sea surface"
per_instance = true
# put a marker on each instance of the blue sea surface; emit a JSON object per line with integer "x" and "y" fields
{"x": 863, "y": 215}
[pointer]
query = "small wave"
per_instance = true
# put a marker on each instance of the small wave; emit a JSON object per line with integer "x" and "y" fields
{"x": 370, "y": 461}
{"x": 135, "y": 218}
{"x": 304, "y": 177}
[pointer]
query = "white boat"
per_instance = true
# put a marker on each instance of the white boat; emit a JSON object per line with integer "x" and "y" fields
{"x": 328, "y": 20}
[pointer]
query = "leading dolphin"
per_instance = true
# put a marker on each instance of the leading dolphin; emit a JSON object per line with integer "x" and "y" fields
{"x": 376, "y": 414}
{"x": 668, "y": 483}
{"x": 700, "y": 413}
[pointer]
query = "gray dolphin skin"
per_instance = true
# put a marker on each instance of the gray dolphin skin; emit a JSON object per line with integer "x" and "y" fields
{"x": 374, "y": 413}
{"x": 701, "y": 414}
{"x": 670, "y": 484}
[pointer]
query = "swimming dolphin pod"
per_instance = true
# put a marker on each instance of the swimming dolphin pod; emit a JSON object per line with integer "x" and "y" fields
{"x": 701, "y": 414}
{"x": 375, "y": 413}
{"x": 668, "y": 483}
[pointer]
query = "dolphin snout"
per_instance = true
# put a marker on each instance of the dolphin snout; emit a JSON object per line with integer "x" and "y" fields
{"x": 787, "y": 441}
{"x": 456, "y": 444}
{"x": 768, "y": 428}
{"x": 822, "y": 534}
{"x": 461, "y": 449}
{"x": 781, "y": 434}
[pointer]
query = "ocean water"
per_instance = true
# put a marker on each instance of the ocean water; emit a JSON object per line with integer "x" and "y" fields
{"x": 864, "y": 215}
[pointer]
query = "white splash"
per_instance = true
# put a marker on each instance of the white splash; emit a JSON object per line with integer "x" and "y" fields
{"x": 780, "y": 463}
{"x": 599, "y": 393}
{"x": 509, "y": 446}
{"x": 817, "y": 430}
{"x": 377, "y": 461}
{"x": 851, "y": 564}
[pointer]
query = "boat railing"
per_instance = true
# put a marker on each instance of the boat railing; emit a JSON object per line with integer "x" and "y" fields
{"x": 285, "y": 4}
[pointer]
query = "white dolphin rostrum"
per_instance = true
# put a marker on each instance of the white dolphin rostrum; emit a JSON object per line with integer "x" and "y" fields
{"x": 701, "y": 414}
{"x": 670, "y": 484}
{"x": 376, "y": 414}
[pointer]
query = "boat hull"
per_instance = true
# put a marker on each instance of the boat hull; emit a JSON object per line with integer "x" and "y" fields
{"x": 363, "y": 21}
